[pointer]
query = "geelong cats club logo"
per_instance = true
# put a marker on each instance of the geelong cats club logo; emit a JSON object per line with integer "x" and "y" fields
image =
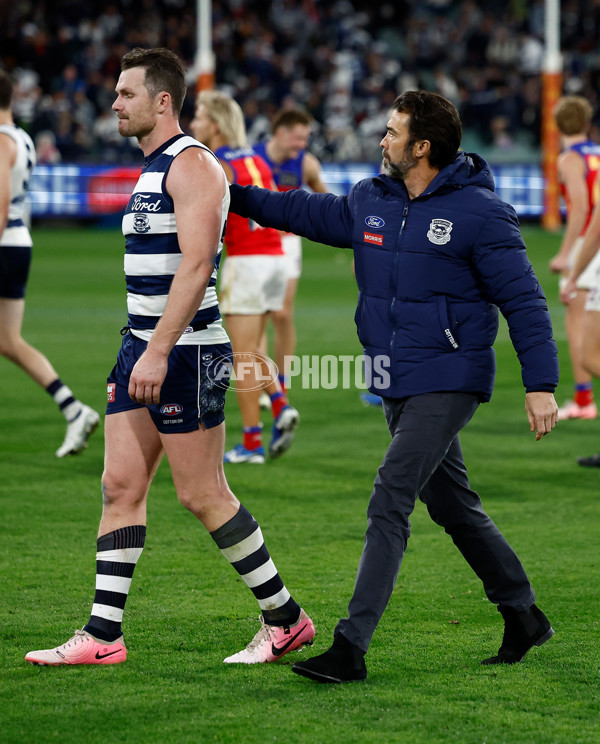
{"x": 439, "y": 231}
{"x": 141, "y": 223}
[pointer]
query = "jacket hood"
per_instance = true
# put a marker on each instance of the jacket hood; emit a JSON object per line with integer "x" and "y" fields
{"x": 469, "y": 169}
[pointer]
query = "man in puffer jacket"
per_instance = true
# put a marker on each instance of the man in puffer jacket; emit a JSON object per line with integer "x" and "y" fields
{"x": 436, "y": 254}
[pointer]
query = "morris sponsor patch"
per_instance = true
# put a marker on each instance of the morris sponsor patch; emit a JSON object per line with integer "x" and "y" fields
{"x": 373, "y": 238}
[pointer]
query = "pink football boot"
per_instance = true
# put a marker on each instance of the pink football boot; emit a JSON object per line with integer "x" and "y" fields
{"x": 81, "y": 649}
{"x": 272, "y": 642}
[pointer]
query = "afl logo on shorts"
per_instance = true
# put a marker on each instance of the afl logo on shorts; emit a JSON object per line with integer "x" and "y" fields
{"x": 171, "y": 409}
{"x": 141, "y": 223}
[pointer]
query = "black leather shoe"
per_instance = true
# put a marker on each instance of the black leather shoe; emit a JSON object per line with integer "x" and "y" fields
{"x": 522, "y": 630}
{"x": 343, "y": 662}
{"x": 593, "y": 461}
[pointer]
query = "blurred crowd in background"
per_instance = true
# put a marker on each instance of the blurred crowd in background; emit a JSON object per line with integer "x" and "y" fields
{"x": 343, "y": 61}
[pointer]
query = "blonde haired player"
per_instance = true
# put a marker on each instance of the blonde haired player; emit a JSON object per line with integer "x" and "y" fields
{"x": 578, "y": 167}
{"x": 253, "y": 280}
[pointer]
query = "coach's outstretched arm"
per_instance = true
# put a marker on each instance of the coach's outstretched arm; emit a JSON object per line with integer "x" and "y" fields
{"x": 324, "y": 218}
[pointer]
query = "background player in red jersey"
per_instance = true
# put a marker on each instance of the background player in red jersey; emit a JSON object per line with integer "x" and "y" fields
{"x": 253, "y": 280}
{"x": 293, "y": 167}
{"x": 578, "y": 167}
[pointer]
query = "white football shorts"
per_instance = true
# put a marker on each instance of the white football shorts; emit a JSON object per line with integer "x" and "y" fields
{"x": 292, "y": 247}
{"x": 588, "y": 278}
{"x": 252, "y": 285}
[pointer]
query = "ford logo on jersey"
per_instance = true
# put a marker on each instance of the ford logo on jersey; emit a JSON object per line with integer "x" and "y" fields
{"x": 373, "y": 221}
{"x": 171, "y": 409}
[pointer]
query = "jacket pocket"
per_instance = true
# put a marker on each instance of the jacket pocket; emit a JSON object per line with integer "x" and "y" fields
{"x": 358, "y": 310}
{"x": 447, "y": 326}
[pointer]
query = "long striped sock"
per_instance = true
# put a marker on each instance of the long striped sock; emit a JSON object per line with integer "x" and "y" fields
{"x": 240, "y": 540}
{"x": 117, "y": 555}
{"x": 65, "y": 400}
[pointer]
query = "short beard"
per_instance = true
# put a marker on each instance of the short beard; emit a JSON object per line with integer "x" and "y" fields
{"x": 399, "y": 170}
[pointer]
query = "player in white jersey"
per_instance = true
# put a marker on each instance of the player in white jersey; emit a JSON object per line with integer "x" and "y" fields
{"x": 167, "y": 391}
{"x": 17, "y": 160}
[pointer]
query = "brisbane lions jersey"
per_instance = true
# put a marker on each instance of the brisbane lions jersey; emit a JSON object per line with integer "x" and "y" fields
{"x": 244, "y": 237}
{"x": 590, "y": 152}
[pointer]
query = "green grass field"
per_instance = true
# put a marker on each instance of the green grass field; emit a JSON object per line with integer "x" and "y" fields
{"x": 187, "y": 609}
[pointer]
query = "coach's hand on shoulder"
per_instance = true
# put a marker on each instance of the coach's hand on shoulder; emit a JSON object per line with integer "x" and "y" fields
{"x": 542, "y": 413}
{"x": 147, "y": 378}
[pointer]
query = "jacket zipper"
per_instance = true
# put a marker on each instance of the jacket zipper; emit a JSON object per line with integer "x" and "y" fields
{"x": 394, "y": 283}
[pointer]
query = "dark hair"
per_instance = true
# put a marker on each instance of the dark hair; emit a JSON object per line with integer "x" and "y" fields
{"x": 164, "y": 71}
{"x": 433, "y": 118}
{"x": 288, "y": 118}
{"x": 6, "y": 90}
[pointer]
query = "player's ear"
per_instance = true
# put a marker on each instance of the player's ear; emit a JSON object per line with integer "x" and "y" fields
{"x": 422, "y": 149}
{"x": 164, "y": 101}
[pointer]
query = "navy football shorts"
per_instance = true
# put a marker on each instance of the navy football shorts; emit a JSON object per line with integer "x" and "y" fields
{"x": 193, "y": 391}
{"x": 14, "y": 270}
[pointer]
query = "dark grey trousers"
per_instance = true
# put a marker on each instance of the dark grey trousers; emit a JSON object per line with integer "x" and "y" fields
{"x": 424, "y": 460}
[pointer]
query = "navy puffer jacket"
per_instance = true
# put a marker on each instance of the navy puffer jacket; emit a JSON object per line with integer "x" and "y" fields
{"x": 431, "y": 273}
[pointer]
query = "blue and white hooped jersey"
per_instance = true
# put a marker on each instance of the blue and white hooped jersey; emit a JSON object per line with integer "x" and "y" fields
{"x": 153, "y": 255}
{"x": 16, "y": 232}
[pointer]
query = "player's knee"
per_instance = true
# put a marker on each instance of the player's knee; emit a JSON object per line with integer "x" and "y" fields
{"x": 191, "y": 500}
{"x": 198, "y": 500}
{"x": 283, "y": 317}
{"x": 120, "y": 491}
{"x": 8, "y": 347}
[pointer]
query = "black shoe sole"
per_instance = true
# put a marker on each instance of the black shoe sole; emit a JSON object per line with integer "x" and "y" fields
{"x": 586, "y": 462}
{"x": 323, "y": 678}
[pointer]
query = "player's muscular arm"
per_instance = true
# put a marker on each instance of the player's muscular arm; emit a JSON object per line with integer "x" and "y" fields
{"x": 196, "y": 184}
